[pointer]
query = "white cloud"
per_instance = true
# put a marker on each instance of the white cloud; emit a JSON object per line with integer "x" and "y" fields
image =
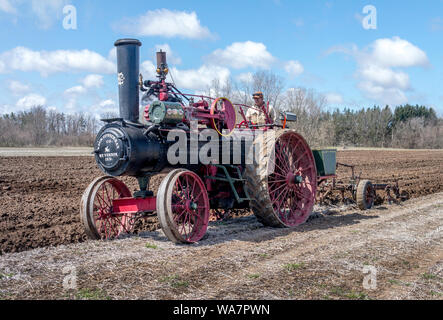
{"x": 71, "y": 105}
{"x": 4, "y": 109}
{"x": 384, "y": 77}
{"x": 93, "y": 81}
{"x": 30, "y": 101}
{"x": 6, "y": 6}
{"x": 397, "y": 52}
{"x": 48, "y": 62}
{"x": 47, "y": 11}
{"x": 242, "y": 55}
{"x": 245, "y": 77}
{"x": 75, "y": 90}
{"x": 385, "y": 95}
{"x": 378, "y": 73}
{"x": 112, "y": 55}
{"x": 294, "y": 68}
{"x": 18, "y": 88}
{"x": 107, "y": 103}
{"x": 191, "y": 79}
{"x": 89, "y": 82}
{"x": 334, "y": 98}
{"x": 51, "y": 108}
{"x": 103, "y": 108}
{"x": 199, "y": 79}
{"x": 148, "y": 68}
{"x": 165, "y": 23}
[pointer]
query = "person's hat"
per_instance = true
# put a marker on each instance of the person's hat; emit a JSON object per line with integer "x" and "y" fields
{"x": 258, "y": 94}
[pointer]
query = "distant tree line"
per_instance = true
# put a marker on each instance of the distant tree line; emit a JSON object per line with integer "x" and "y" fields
{"x": 39, "y": 127}
{"x": 410, "y": 127}
{"x": 405, "y": 126}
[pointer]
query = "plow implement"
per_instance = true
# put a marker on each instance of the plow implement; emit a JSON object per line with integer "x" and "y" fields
{"x": 357, "y": 190}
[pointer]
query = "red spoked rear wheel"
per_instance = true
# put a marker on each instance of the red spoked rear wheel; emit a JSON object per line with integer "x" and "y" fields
{"x": 183, "y": 206}
{"x": 96, "y": 210}
{"x": 293, "y": 184}
{"x": 283, "y": 183}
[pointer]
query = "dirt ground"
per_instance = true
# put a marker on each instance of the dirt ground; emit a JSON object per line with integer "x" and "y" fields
{"x": 40, "y": 196}
{"x": 390, "y": 252}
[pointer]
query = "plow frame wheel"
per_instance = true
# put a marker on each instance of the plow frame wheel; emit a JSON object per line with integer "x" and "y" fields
{"x": 365, "y": 195}
{"x": 183, "y": 206}
{"x": 96, "y": 205}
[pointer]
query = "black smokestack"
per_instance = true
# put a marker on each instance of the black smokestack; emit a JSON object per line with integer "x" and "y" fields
{"x": 128, "y": 69}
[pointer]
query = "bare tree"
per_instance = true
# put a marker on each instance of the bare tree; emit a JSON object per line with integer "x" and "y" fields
{"x": 309, "y": 107}
{"x": 219, "y": 88}
{"x": 265, "y": 81}
{"x": 270, "y": 84}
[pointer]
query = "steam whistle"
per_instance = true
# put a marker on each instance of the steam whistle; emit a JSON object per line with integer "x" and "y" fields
{"x": 162, "y": 65}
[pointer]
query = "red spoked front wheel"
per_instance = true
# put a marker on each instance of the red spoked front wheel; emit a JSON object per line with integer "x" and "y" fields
{"x": 96, "y": 211}
{"x": 183, "y": 206}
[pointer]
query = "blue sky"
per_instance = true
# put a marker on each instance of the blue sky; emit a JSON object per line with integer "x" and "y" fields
{"x": 321, "y": 45}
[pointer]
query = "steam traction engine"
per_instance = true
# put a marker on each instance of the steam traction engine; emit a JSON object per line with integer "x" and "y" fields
{"x": 128, "y": 146}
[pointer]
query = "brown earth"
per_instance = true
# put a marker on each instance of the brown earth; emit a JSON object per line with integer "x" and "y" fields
{"x": 390, "y": 252}
{"x": 40, "y": 196}
{"x": 418, "y": 172}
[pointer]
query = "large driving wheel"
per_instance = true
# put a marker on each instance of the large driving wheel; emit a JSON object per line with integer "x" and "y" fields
{"x": 96, "y": 211}
{"x": 283, "y": 183}
{"x": 183, "y": 206}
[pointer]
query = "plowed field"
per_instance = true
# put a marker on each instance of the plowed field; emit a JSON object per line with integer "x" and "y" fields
{"x": 40, "y": 196}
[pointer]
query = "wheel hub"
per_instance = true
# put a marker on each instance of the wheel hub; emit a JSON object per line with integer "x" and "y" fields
{"x": 293, "y": 179}
{"x": 190, "y": 205}
{"x": 104, "y": 213}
